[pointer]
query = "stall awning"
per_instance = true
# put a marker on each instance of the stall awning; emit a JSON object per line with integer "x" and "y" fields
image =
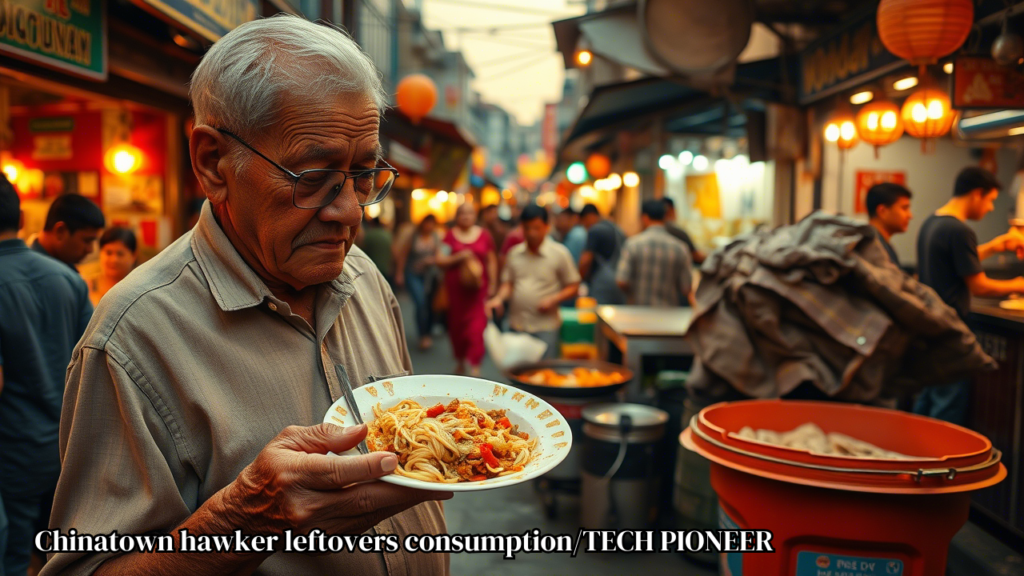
{"x": 433, "y": 149}
{"x": 680, "y": 108}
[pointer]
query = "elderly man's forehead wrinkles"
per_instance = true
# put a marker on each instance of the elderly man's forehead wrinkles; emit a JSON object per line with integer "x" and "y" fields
{"x": 328, "y": 138}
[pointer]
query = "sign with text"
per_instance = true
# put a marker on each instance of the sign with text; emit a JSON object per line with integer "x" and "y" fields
{"x": 209, "y": 18}
{"x": 868, "y": 178}
{"x": 850, "y": 57}
{"x": 982, "y": 83}
{"x": 69, "y": 35}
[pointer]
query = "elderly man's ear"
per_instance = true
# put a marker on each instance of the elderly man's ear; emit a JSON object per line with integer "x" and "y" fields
{"x": 208, "y": 149}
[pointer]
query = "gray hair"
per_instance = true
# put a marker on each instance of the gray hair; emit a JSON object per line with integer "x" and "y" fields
{"x": 238, "y": 82}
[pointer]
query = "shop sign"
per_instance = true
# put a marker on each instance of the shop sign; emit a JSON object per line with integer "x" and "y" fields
{"x": 850, "y": 57}
{"x": 981, "y": 83}
{"x": 69, "y": 35}
{"x": 868, "y": 178}
{"x": 209, "y": 18}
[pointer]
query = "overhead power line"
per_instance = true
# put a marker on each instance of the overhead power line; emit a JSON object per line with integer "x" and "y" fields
{"x": 506, "y": 8}
{"x": 517, "y": 69}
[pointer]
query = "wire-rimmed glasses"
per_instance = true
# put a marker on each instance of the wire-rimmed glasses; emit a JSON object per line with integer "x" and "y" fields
{"x": 318, "y": 187}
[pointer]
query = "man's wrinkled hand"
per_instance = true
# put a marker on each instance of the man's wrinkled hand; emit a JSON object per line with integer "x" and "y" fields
{"x": 294, "y": 483}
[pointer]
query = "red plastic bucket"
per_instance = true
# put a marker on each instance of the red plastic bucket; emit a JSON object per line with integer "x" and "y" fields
{"x": 833, "y": 515}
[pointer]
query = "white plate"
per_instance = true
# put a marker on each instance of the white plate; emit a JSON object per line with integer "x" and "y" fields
{"x": 532, "y": 414}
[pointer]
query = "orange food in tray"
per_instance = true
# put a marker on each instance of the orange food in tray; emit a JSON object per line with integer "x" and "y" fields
{"x": 579, "y": 377}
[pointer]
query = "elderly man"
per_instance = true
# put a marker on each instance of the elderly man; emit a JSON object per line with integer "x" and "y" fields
{"x": 193, "y": 398}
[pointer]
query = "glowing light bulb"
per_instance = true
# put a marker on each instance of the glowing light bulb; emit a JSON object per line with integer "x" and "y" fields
{"x": 919, "y": 113}
{"x": 832, "y": 133}
{"x": 848, "y": 131}
{"x": 685, "y": 157}
{"x": 873, "y": 121}
{"x": 700, "y": 162}
{"x": 666, "y": 162}
{"x": 935, "y": 110}
{"x": 889, "y": 120}
{"x": 631, "y": 179}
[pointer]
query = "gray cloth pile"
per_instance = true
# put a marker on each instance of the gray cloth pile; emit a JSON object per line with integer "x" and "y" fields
{"x": 820, "y": 303}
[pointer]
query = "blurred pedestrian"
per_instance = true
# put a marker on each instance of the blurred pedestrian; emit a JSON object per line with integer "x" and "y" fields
{"x": 600, "y": 256}
{"x": 570, "y": 233}
{"x": 491, "y": 221}
{"x": 538, "y": 275}
{"x": 44, "y": 309}
{"x": 416, "y": 269}
{"x": 673, "y": 228}
{"x": 888, "y": 206}
{"x": 470, "y": 264}
{"x": 118, "y": 254}
{"x": 376, "y": 242}
{"x": 655, "y": 267}
{"x": 72, "y": 225}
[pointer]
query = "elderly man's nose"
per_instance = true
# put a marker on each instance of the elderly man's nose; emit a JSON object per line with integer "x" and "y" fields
{"x": 345, "y": 208}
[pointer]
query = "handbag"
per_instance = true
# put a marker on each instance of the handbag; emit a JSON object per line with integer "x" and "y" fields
{"x": 471, "y": 274}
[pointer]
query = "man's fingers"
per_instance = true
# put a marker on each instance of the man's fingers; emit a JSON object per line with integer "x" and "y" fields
{"x": 376, "y": 496}
{"x": 323, "y": 438}
{"x": 333, "y": 472}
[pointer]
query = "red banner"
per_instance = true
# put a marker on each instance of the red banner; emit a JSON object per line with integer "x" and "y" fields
{"x": 981, "y": 83}
{"x": 549, "y": 130}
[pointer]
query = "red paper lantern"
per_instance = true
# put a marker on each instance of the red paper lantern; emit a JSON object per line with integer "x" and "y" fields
{"x": 841, "y": 129}
{"x": 927, "y": 114}
{"x": 922, "y": 31}
{"x": 598, "y": 166}
{"x": 416, "y": 96}
{"x": 879, "y": 123}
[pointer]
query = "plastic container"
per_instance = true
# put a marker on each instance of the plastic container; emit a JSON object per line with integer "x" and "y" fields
{"x": 835, "y": 514}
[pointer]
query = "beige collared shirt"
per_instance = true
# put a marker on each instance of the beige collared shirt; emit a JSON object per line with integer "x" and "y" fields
{"x": 535, "y": 276}
{"x": 188, "y": 368}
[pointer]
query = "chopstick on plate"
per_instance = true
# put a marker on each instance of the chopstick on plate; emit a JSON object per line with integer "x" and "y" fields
{"x": 350, "y": 399}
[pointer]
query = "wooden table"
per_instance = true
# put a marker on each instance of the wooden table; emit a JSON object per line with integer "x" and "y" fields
{"x": 639, "y": 331}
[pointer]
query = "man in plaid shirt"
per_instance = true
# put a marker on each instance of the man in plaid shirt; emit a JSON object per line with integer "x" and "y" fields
{"x": 654, "y": 269}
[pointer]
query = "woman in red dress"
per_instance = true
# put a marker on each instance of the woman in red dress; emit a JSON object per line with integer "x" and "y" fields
{"x": 466, "y": 316}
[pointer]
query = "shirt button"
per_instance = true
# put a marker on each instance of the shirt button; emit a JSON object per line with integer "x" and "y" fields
{"x": 273, "y": 306}
{"x": 860, "y": 340}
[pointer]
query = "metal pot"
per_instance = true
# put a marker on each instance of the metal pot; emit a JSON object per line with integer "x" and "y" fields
{"x": 621, "y": 477}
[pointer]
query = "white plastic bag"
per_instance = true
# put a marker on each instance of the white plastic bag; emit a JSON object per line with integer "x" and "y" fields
{"x": 510, "y": 348}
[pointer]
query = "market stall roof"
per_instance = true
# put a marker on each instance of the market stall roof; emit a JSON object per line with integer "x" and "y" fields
{"x": 435, "y": 149}
{"x": 614, "y": 32}
{"x": 680, "y": 108}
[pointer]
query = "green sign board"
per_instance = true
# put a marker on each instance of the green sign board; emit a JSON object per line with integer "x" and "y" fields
{"x": 209, "y": 18}
{"x": 39, "y": 125}
{"x": 70, "y": 35}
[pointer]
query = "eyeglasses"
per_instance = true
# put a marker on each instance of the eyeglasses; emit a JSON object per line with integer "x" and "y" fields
{"x": 316, "y": 188}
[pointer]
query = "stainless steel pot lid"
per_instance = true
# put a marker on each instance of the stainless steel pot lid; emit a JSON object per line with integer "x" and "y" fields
{"x": 611, "y": 415}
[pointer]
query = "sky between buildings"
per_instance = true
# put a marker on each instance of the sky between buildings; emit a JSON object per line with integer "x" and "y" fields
{"x": 517, "y": 66}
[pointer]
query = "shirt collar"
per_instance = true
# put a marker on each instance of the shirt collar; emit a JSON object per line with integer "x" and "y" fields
{"x": 13, "y": 245}
{"x": 234, "y": 284}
